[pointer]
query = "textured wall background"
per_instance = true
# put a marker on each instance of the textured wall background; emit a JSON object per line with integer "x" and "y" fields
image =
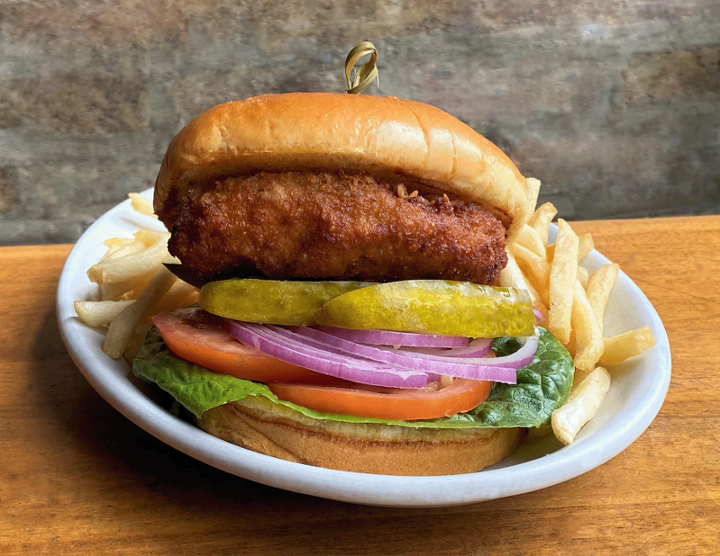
{"x": 613, "y": 104}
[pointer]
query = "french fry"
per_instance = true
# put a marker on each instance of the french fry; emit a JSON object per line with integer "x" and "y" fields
{"x": 117, "y": 241}
{"x": 544, "y": 311}
{"x": 588, "y": 336}
{"x": 150, "y": 237}
{"x": 550, "y": 253}
{"x": 598, "y": 289}
{"x": 111, "y": 250}
{"x": 629, "y": 344}
{"x": 512, "y": 277}
{"x": 180, "y": 295}
{"x": 581, "y": 406}
{"x": 141, "y": 204}
{"x": 99, "y": 313}
{"x": 137, "y": 338}
{"x": 528, "y": 238}
{"x": 536, "y": 269}
{"x": 563, "y": 275}
{"x": 541, "y": 219}
{"x": 116, "y": 246}
{"x": 583, "y": 276}
{"x": 533, "y": 188}
{"x": 169, "y": 259}
{"x": 127, "y": 289}
{"x": 124, "y": 268}
{"x": 585, "y": 245}
{"x": 121, "y": 328}
{"x": 124, "y": 250}
{"x": 571, "y": 345}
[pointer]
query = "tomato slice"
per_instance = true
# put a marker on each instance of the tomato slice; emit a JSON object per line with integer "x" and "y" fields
{"x": 388, "y": 403}
{"x": 199, "y": 337}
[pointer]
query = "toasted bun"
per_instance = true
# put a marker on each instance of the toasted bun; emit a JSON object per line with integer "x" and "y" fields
{"x": 389, "y": 138}
{"x": 265, "y": 427}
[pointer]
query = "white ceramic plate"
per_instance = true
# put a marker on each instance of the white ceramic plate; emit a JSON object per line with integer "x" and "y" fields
{"x": 635, "y": 397}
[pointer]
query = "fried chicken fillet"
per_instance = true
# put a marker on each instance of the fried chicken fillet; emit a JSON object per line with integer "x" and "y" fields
{"x": 334, "y": 225}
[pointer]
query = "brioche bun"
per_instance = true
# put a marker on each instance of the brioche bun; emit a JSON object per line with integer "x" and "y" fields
{"x": 392, "y": 139}
{"x": 260, "y": 425}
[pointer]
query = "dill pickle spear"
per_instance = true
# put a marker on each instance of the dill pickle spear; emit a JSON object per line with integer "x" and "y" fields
{"x": 433, "y": 306}
{"x": 284, "y": 302}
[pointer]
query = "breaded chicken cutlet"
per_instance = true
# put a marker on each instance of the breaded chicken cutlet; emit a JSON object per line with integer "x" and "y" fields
{"x": 334, "y": 226}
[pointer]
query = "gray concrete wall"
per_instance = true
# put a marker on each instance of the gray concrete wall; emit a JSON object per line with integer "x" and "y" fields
{"x": 613, "y": 104}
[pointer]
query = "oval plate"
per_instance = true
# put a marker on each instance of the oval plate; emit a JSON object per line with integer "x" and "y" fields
{"x": 638, "y": 389}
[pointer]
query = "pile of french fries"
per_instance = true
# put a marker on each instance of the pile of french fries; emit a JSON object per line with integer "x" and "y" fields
{"x": 572, "y": 303}
{"x": 133, "y": 286}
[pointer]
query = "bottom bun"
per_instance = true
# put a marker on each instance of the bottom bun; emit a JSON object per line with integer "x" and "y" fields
{"x": 260, "y": 425}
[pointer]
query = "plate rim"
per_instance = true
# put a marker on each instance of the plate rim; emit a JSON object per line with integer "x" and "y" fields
{"x": 345, "y": 486}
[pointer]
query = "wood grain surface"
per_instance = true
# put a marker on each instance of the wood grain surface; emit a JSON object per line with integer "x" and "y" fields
{"x": 77, "y": 478}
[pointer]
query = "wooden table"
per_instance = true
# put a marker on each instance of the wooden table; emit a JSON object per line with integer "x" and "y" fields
{"x": 78, "y": 478}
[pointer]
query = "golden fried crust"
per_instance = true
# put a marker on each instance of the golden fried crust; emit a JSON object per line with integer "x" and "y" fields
{"x": 259, "y": 425}
{"x": 333, "y": 226}
{"x": 389, "y": 138}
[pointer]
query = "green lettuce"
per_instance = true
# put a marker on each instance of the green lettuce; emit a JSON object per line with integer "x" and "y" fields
{"x": 541, "y": 387}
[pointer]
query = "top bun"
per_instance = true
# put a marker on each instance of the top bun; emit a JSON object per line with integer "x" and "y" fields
{"x": 392, "y": 139}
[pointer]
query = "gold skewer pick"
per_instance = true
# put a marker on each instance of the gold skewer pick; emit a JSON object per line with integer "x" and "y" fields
{"x": 367, "y": 73}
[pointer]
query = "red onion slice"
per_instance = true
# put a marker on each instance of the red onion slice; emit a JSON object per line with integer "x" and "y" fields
{"x": 498, "y": 369}
{"x": 392, "y": 338}
{"x": 277, "y": 343}
{"x": 479, "y": 347}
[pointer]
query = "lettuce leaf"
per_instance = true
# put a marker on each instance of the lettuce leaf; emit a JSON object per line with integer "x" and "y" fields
{"x": 541, "y": 387}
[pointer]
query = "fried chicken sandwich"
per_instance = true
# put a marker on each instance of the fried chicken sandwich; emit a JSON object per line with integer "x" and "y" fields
{"x": 350, "y": 245}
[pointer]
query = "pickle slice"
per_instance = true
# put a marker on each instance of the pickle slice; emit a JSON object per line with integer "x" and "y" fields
{"x": 289, "y": 303}
{"x": 435, "y": 306}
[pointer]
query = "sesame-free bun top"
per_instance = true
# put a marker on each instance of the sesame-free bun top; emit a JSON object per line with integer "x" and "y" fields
{"x": 400, "y": 141}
